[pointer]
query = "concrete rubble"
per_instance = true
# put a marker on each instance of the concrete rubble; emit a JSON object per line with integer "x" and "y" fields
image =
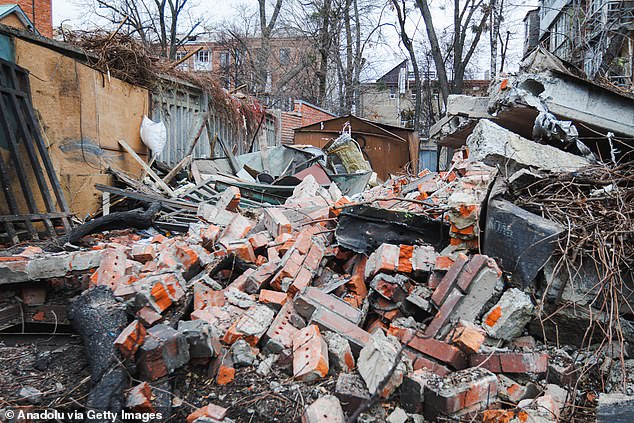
{"x": 384, "y": 299}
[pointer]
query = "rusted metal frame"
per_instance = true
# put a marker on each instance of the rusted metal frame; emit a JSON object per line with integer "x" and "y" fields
{"x": 46, "y": 160}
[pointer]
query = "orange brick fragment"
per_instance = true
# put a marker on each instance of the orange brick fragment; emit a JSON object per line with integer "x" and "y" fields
{"x": 493, "y": 316}
{"x": 130, "y": 339}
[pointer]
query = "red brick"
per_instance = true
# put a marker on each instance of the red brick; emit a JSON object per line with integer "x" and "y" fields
{"x": 259, "y": 240}
{"x": 420, "y": 361}
{"x": 511, "y": 362}
{"x": 205, "y": 296}
{"x": 302, "y": 280}
{"x": 188, "y": 257}
{"x": 226, "y": 371}
{"x": 111, "y": 269}
{"x": 261, "y": 277}
{"x": 439, "y": 350}
{"x": 148, "y": 316}
{"x": 444, "y": 262}
{"x": 275, "y": 221}
{"x": 304, "y": 240}
{"x": 242, "y": 249}
{"x": 328, "y": 320}
{"x": 164, "y": 350}
{"x": 468, "y": 337}
{"x": 356, "y": 287}
{"x": 237, "y": 228}
{"x": 292, "y": 264}
{"x": 471, "y": 270}
{"x": 383, "y": 259}
{"x": 139, "y": 398}
{"x": 143, "y": 252}
{"x": 449, "y": 281}
{"x": 160, "y": 297}
{"x": 130, "y": 339}
{"x": 210, "y": 235}
{"x": 314, "y": 257}
{"x": 212, "y": 411}
{"x": 444, "y": 314}
{"x": 405, "y": 258}
{"x": 283, "y": 329}
{"x": 310, "y": 355}
{"x": 465, "y": 390}
{"x": 274, "y": 299}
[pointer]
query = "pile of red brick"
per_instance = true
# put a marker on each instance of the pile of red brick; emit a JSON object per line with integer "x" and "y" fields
{"x": 274, "y": 291}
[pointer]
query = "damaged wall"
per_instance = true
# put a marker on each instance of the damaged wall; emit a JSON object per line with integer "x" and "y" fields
{"x": 83, "y": 114}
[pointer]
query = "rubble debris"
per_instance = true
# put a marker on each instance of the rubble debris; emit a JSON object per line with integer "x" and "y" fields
{"x": 507, "y": 319}
{"x": 496, "y": 146}
{"x": 278, "y": 287}
{"x": 614, "y": 408}
{"x": 325, "y": 409}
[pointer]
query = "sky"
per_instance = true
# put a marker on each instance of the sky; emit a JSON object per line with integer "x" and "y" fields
{"x": 381, "y": 57}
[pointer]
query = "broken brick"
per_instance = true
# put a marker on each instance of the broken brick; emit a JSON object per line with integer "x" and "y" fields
{"x": 465, "y": 390}
{"x": 310, "y": 355}
{"x": 164, "y": 350}
{"x": 251, "y": 325}
{"x": 211, "y": 411}
{"x": 468, "y": 337}
{"x": 139, "y": 398}
{"x": 130, "y": 339}
{"x": 273, "y": 299}
{"x": 229, "y": 199}
{"x": 275, "y": 221}
{"x": 283, "y": 329}
{"x": 511, "y": 362}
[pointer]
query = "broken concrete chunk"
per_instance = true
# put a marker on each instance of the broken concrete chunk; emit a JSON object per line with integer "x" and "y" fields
{"x": 351, "y": 391}
{"x": 376, "y": 361}
{"x": 507, "y": 319}
{"x": 615, "y": 408}
{"x": 243, "y": 354}
{"x": 496, "y": 146}
{"x": 326, "y": 409}
{"x": 339, "y": 352}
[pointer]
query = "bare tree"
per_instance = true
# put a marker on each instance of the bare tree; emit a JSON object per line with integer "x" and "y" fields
{"x": 401, "y": 15}
{"x": 470, "y": 19}
{"x": 163, "y": 23}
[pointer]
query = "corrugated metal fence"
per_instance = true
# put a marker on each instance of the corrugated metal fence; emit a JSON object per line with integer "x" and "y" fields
{"x": 182, "y": 107}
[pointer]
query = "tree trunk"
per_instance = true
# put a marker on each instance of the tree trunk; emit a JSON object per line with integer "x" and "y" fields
{"x": 441, "y": 70}
{"x": 99, "y": 318}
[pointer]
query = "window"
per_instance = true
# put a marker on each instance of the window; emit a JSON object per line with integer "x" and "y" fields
{"x": 203, "y": 61}
{"x": 285, "y": 56}
{"x": 179, "y": 56}
{"x": 392, "y": 92}
{"x": 224, "y": 59}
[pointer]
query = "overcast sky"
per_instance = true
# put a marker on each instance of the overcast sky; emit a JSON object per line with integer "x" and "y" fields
{"x": 380, "y": 58}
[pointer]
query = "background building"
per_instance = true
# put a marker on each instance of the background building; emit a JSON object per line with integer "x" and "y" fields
{"x": 594, "y": 35}
{"x": 39, "y": 12}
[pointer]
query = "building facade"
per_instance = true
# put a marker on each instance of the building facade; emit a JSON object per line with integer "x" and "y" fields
{"x": 391, "y": 99}
{"x": 594, "y": 35}
{"x": 235, "y": 62}
{"x": 39, "y": 12}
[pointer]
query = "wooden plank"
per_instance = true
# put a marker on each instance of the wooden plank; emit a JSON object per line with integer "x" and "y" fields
{"x": 34, "y": 217}
{"x": 35, "y": 163}
{"x": 147, "y": 168}
{"x": 147, "y": 198}
{"x": 17, "y": 163}
{"x": 186, "y": 160}
{"x": 43, "y": 150}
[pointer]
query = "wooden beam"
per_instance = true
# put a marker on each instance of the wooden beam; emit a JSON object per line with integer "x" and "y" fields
{"x": 179, "y": 166}
{"x": 147, "y": 168}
